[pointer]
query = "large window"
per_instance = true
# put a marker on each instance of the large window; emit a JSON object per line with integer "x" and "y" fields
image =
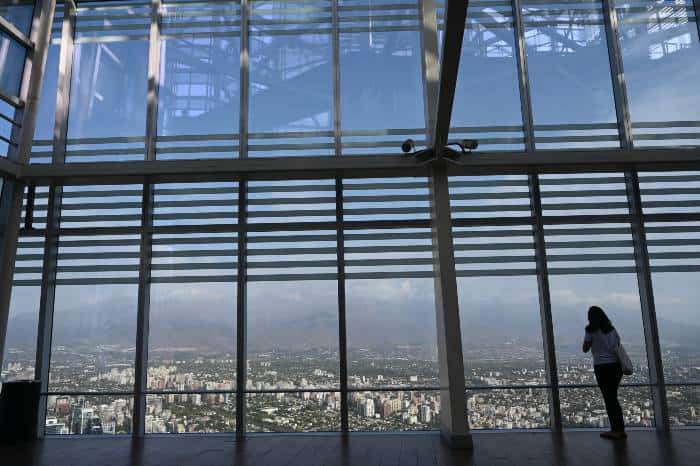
{"x": 107, "y": 117}
{"x": 291, "y": 79}
{"x": 592, "y": 263}
{"x": 390, "y": 306}
{"x": 42, "y": 145}
{"x": 381, "y": 90}
{"x": 661, "y": 56}
{"x": 570, "y": 81}
{"x": 192, "y": 350}
{"x": 292, "y": 311}
{"x": 673, "y": 243}
{"x": 96, "y": 295}
{"x": 20, "y": 345}
{"x": 199, "y": 94}
{"x": 501, "y": 332}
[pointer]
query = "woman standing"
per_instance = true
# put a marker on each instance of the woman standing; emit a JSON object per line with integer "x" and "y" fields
{"x": 603, "y": 341}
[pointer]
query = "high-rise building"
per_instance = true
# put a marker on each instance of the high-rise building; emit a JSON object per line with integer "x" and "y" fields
{"x": 368, "y": 407}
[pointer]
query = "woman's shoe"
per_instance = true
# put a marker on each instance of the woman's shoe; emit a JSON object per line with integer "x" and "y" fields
{"x": 614, "y": 435}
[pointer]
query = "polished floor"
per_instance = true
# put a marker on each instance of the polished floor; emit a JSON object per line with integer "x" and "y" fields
{"x": 490, "y": 449}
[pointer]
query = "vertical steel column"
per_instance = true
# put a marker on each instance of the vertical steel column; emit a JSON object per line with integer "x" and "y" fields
{"x": 241, "y": 309}
{"x": 339, "y": 218}
{"x": 63, "y": 88}
{"x": 53, "y": 218}
{"x": 32, "y": 79}
{"x": 143, "y": 312}
{"x": 618, "y": 75}
{"x": 342, "y": 327}
{"x": 47, "y": 299}
{"x": 430, "y": 64}
{"x": 696, "y": 3}
{"x": 454, "y": 426}
{"x": 242, "y": 264}
{"x": 523, "y": 77}
{"x": 146, "y": 241}
{"x": 550, "y": 359}
{"x": 153, "y": 81}
{"x": 335, "y": 24}
{"x": 646, "y": 296}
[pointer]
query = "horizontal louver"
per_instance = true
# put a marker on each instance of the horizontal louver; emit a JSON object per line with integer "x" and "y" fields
{"x": 584, "y": 194}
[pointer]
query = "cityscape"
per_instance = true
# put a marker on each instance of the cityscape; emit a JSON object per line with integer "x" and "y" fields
{"x": 299, "y": 392}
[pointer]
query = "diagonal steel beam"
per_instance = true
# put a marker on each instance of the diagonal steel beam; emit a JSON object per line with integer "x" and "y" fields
{"x": 455, "y": 16}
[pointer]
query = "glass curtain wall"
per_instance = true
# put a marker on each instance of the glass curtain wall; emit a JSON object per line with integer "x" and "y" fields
{"x": 314, "y": 308}
{"x": 337, "y": 77}
{"x": 336, "y": 274}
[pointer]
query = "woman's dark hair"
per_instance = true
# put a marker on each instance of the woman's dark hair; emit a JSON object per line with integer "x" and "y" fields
{"x": 597, "y": 320}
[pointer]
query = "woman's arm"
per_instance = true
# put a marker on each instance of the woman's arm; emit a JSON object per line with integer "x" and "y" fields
{"x": 586, "y": 346}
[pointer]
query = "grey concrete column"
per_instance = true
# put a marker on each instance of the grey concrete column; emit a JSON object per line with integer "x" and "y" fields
{"x": 454, "y": 426}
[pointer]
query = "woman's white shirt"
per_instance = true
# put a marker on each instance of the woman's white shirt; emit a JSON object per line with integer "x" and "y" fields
{"x": 603, "y": 346}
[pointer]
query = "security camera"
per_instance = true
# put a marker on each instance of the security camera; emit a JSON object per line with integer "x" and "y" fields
{"x": 408, "y": 146}
{"x": 468, "y": 144}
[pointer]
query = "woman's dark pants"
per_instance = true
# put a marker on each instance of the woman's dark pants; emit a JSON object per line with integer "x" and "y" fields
{"x": 608, "y": 377}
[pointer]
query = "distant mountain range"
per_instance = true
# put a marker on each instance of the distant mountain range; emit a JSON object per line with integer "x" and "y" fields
{"x": 213, "y": 330}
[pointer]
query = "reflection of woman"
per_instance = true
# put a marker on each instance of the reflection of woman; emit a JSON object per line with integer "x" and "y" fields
{"x": 602, "y": 339}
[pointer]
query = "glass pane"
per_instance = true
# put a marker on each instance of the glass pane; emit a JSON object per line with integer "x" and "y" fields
{"x": 199, "y": 95}
{"x": 89, "y": 415}
{"x": 108, "y": 100}
{"x": 391, "y": 333}
{"x": 673, "y": 258}
{"x": 93, "y": 338}
{"x": 19, "y": 15}
{"x": 20, "y": 345}
{"x": 584, "y": 407}
{"x": 190, "y": 413}
{"x": 293, "y": 335}
{"x": 570, "y": 81}
{"x": 192, "y": 350}
{"x": 618, "y": 295}
{"x": 291, "y": 95}
{"x": 12, "y": 55}
{"x": 293, "y": 412}
{"x": 21, "y": 338}
{"x": 487, "y": 97}
{"x": 508, "y": 409}
{"x": 42, "y": 146}
{"x": 661, "y": 55}
{"x": 380, "y": 89}
{"x": 501, "y": 332}
{"x": 683, "y": 405}
{"x": 5, "y": 126}
{"x": 392, "y": 411}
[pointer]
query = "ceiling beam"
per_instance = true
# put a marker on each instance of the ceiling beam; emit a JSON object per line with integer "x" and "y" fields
{"x": 494, "y": 163}
{"x": 455, "y": 16}
{"x": 9, "y": 169}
